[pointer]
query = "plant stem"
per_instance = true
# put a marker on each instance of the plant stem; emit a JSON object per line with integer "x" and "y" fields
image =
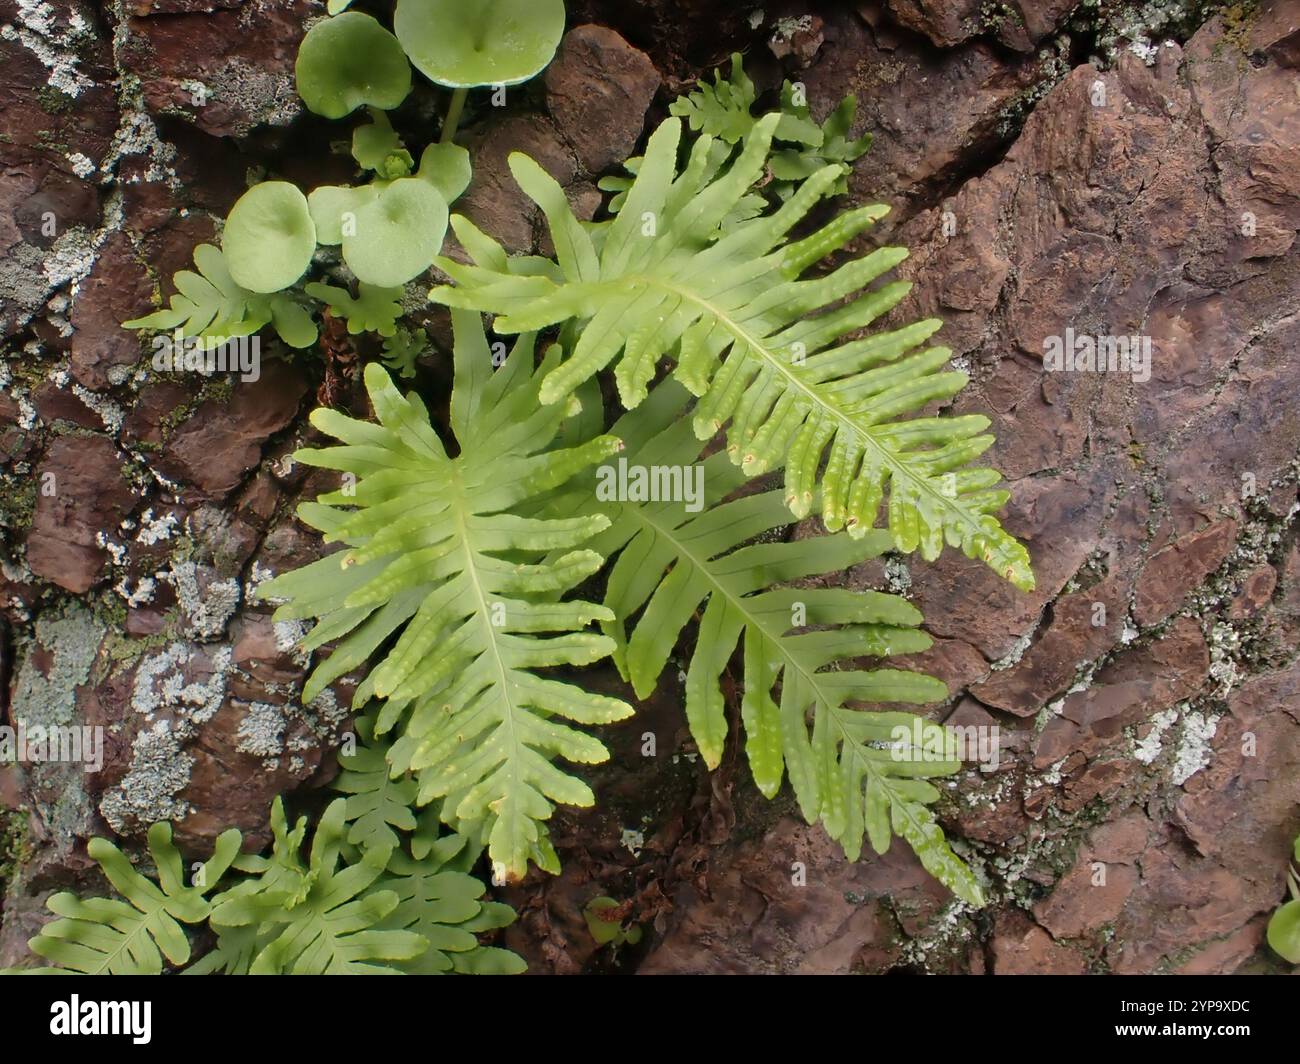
{"x": 452, "y": 121}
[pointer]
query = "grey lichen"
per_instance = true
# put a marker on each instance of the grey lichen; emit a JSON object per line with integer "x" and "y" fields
{"x": 177, "y": 690}
{"x": 160, "y": 770}
{"x": 261, "y": 732}
{"x": 45, "y": 694}
{"x": 208, "y": 604}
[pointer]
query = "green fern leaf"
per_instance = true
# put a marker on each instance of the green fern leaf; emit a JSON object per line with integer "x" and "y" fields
{"x": 721, "y": 109}
{"x": 680, "y": 558}
{"x": 438, "y": 553}
{"x": 437, "y": 897}
{"x": 813, "y": 146}
{"x": 132, "y": 935}
{"x": 445, "y": 907}
{"x": 744, "y": 332}
{"x": 373, "y": 309}
{"x": 403, "y": 349}
{"x": 377, "y": 804}
{"x": 210, "y": 306}
{"x": 318, "y": 918}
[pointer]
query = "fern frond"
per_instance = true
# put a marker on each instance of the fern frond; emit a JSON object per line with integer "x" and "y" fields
{"x": 438, "y": 557}
{"x": 372, "y": 309}
{"x": 377, "y": 803}
{"x": 720, "y": 109}
{"x": 437, "y": 897}
{"x": 211, "y": 307}
{"x": 132, "y": 934}
{"x": 403, "y": 349}
{"x": 680, "y": 558}
{"x": 444, "y": 906}
{"x": 757, "y": 344}
{"x": 318, "y": 918}
{"x": 814, "y": 146}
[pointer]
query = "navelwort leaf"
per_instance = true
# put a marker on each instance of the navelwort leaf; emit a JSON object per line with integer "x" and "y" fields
{"x": 269, "y": 237}
{"x": 132, "y": 934}
{"x": 755, "y": 343}
{"x": 350, "y": 60}
{"x": 487, "y": 42}
{"x": 438, "y": 556}
{"x": 678, "y": 559}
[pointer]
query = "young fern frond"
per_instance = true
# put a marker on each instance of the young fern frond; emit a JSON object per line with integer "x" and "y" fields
{"x": 131, "y": 934}
{"x": 318, "y": 918}
{"x": 439, "y": 557}
{"x": 378, "y": 805}
{"x": 210, "y": 307}
{"x": 673, "y": 563}
{"x": 756, "y": 344}
{"x": 442, "y": 903}
{"x": 720, "y": 109}
{"x": 401, "y": 897}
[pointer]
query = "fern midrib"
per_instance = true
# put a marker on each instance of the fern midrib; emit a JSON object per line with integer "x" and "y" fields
{"x": 461, "y": 507}
{"x": 736, "y": 601}
{"x": 897, "y": 467}
{"x": 127, "y": 939}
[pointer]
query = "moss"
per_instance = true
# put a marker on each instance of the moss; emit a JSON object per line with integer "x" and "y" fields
{"x": 53, "y": 101}
{"x": 994, "y": 15}
{"x": 15, "y": 844}
{"x": 17, "y": 502}
{"x": 1237, "y": 18}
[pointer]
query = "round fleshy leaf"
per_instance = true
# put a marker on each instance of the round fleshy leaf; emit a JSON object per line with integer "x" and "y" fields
{"x": 292, "y": 322}
{"x": 334, "y": 209}
{"x": 269, "y": 237}
{"x": 448, "y": 168}
{"x": 1284, "y": 931}
{"x": 350, "y": 60}
{"x": 489, "y": 42}
{"x": 398, "y": 233}
{"x": 377, "y": 147}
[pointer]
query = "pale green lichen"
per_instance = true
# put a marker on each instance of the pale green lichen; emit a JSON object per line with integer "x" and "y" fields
{"x": 45, "y": 694}
{"x": 160, "y": 770}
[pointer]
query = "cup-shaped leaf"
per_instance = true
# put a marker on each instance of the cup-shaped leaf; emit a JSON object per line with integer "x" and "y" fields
{"x": 269, "y": 237}
{"x": 334, "y": 210}
{"x": 486, "y": 42}
{"x": 1284, "y": 931}
{"x": 377, "y": 147}
{"x": 397, "y": 233}
{"x": 350, "y": 60}
{"x": 448, "y": 168}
